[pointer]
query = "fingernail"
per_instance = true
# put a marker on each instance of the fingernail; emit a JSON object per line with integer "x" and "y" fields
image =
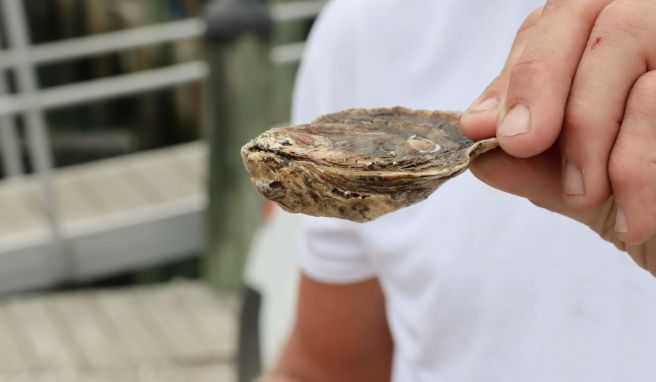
{"x": 488, "y": 104}
{"x": 621, "y": 225}
{"x": 516, "y": 122}
{"x": 573, "y": 179}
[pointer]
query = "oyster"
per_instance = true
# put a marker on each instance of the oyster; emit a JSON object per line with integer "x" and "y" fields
{"x": 361, "y": 163}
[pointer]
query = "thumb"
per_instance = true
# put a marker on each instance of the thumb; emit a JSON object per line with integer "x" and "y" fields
{"x": 480, "y": 119}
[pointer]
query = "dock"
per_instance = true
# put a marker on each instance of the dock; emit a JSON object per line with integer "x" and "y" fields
{"x": 181, "y": 331}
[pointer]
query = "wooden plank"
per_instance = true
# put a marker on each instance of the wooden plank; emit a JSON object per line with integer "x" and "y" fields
{"x": 13, "y": 356}
{"x": 192, "y": 163}
{"x": 19, "y": 212}
{"x": 195, "y": 320}
{"x": 135, "y": 334}
{"x": 114, "y": 192}
{"x": 8, "y": 217}
{"x": 165, "y": 314}
{"x": 161, "y": 176}
{"x": 133, "y": 337}
{"x": 158, "y": 373}
{"x": 194, "y": 156}
{"x": 74, "y": 199}
{"x": 212, "y": 373}
{"x": 35, "y": 322}
{"x": 22, "y": 184}
{"x": 214, "y": 316}
{"x": 141, "y": 183}
{"x": 108, "y": 186}
{"x": 89, "y": 330}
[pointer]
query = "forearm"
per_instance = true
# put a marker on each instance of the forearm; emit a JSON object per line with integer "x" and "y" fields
{"x": 294, "y": 365}
{"x": 300, "y": 364}
{"x": 340, "y": 334}
{"x": 276, "y": 377}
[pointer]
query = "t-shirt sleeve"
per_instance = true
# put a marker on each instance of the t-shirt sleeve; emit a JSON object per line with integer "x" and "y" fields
{"x": 326, "y": 77}
{"x": 331, "y": 249}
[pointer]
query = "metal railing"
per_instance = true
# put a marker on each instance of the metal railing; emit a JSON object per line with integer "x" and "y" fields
{"x": 31, "y": 101}
{"x": 23, "y": 57}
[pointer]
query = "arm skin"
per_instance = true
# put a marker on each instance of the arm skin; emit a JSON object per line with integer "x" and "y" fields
{"x": 340, "y": 334}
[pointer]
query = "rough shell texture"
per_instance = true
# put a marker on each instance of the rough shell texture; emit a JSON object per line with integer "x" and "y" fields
{"x": 361, "y": 163}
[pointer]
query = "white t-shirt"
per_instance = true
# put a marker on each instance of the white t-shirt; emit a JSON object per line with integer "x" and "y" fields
{"x": 480, "y": 285}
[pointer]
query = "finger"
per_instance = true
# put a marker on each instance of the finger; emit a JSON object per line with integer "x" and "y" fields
{"x": 632, "y": 164}
{"x": 541, "y": 78}
{"x": 643, "y": 255}
{"x": 535, "y": 178}
{"x": 612, "y": 62}
{"x": 480, "y": 119}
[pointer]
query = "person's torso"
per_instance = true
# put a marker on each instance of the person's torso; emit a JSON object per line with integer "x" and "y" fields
{"x": 481, "y": 285}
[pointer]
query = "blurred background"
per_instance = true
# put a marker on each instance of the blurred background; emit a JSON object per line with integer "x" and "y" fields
{"x": 132, "y": 246}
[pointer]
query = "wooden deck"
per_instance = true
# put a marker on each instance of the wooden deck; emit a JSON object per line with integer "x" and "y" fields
{"x": 91, "y": 192}
{"x": 115, "y": 215}
{"x": 176, "y": 332}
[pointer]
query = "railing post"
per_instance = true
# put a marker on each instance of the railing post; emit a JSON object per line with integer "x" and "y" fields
{"x": 60, "y": 261}
{"x": 9, "y": 143}
{"x": 238, "y": 107}
{"x": 285, "y": 75}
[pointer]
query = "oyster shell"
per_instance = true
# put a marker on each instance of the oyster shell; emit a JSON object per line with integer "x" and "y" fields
{"x": 361, "y": 163}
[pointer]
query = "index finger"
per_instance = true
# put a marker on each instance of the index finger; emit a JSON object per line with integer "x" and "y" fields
{"x": 542, "y": 77}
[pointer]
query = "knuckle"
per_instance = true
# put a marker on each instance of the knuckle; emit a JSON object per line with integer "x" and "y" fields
{"x": 642, "y": 101}
{"x": 650, "y": 262}
{"x": 498, "y": 86}
{"x": 620, "y": 168}
{"x": 580, "y": 119}
{"x": 640, "y": 259}
{"x": 533, "y": 68}
{"x": 624, "y": 18}
{"x": 627, "y": 170}
{"x": 527, "y": 66}
{"x": 530, "y": 22}
{"x": 644, "y": 259}
{"x": 552, "y": 4}
{"x": 646, "y": 84}
{"x": 574, "y": 118}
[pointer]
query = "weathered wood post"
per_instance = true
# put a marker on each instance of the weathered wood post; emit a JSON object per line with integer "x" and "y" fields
{"x": 284, "y": 75}
{"x": 238, "y": 107}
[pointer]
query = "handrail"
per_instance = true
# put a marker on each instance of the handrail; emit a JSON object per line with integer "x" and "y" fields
{"x": 142, "y": 36}
{"x": 31, "y": 56}
{"x": 296, "y": 10}
{"x": 83, "y": 92}
{"x": 38, "y": 145}
{"x": 106, "y": 42}
{"x": 287, "y": 53}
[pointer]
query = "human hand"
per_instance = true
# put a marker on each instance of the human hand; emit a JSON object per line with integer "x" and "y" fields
{"x": 583, "y": 73}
